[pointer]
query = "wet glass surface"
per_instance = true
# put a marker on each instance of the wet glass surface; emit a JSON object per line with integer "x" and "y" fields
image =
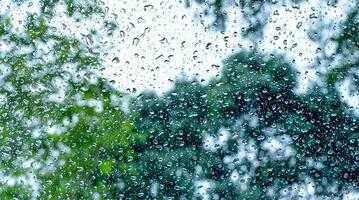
{"x": 184, "y": 99}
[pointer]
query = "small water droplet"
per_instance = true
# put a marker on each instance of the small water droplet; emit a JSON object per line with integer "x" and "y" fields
{"x": 116, "y": 60}
{"x": 148, "y": 7}
{"x": 135, "y": 41}
{"x": 299, "y": 24}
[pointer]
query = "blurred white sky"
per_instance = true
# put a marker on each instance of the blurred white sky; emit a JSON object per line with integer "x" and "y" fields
{"x": 160, "y": 40}
{"x": 172, "y": 42}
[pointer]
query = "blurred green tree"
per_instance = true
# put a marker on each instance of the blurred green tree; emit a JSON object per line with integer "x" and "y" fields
{"x": 278, "y": 143}
{"x": 63, "y": 134}
{"x": 276, "y": 140}
{"x": 247, "y": 133}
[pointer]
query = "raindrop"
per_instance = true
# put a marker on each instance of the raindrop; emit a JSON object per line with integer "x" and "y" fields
{"x": 313, "y": 16}
{"x": 140, "y": 20}
{"x": 135, "y": 41}
{"x": 158, "y": 57}
{"x": 145, "y": 31}
{"x": 148, "y": 7}
{"x": 89, "y": 39}
{"x": 116, "y": 60}
{"x": 164, "y": 40}
{"x": 122, "y": 33}
{"x": 293, "y": 46}
{"x": 299, "y": 24}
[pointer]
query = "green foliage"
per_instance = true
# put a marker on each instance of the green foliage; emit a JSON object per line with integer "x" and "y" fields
{"x": 4, "y": 25}
{"x": 254, "y": 12}
{"x": 347, "y": 49}
{"x": 349, "y": 39}
{"x": 62, "y": 125}
{"x": 100, "y": 147}
{"x": 60, "y": 117}
{"x": 255, "y": 103}
{"x": 36, "y": 31}
{"x": 72, "y": 6}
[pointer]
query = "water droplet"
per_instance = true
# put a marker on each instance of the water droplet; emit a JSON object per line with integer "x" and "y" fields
{"x": 148, "y": 7}
{"x": 299, "y": 24}
{"x": 135, "y": 41}
{"x": 116, "y": 60}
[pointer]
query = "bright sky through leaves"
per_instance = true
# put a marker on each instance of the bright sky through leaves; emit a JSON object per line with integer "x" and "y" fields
{"x": 160, "y": 40}
{"x": 272, "y": 116}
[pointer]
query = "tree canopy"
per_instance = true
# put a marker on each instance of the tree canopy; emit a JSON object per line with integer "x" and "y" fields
{"x": 246, "y": 134}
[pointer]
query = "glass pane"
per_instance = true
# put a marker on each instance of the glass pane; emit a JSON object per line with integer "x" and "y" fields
{"x": 185, "y": 99}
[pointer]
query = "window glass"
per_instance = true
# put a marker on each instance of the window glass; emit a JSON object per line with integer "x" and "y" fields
{"x": 184, "y": 99}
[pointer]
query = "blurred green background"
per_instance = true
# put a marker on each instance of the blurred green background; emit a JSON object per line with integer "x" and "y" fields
{"x": 82, "y": 145}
